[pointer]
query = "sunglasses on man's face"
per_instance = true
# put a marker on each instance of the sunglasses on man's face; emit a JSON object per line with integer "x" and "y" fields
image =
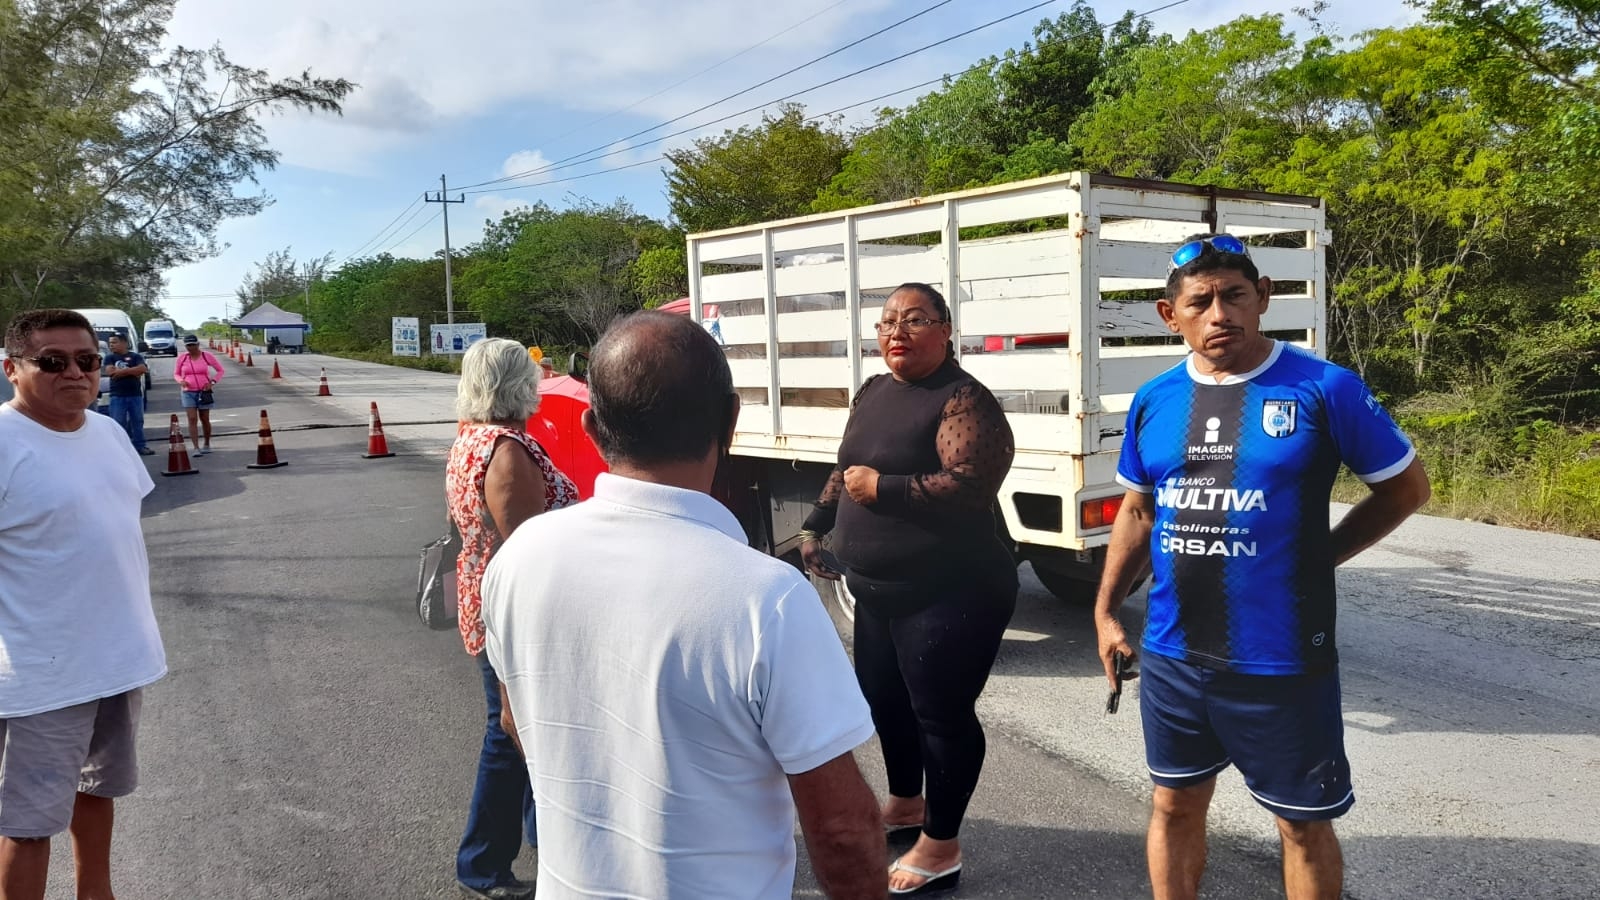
{"x": 1221, "y": 243}
{"x": 55, "y": 365}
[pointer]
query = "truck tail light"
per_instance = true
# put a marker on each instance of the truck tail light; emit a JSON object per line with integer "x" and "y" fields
{"x": 1098, "y": 513}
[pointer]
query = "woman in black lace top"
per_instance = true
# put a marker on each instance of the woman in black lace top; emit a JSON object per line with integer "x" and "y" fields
{"x": 910, "y": 505}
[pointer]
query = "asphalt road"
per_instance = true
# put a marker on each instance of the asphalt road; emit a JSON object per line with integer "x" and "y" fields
{"x": 313, "y": 740}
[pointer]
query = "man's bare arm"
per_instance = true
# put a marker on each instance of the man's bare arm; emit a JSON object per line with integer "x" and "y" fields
{"x": 508, "y": 724}
{"x": 843, "y": 828}
{"x": 1391, "y": 502}
{"x": 1127, "y": 556}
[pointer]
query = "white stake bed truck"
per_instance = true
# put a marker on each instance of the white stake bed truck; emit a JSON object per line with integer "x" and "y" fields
{"x": 1051, "y": 284}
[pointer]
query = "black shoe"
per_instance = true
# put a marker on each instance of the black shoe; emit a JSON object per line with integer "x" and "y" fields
{"x": 514, "y": 890}
{"x": 146, "y": 451}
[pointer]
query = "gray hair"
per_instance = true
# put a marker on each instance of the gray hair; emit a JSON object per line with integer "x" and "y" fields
{"x": 499, "y": 381}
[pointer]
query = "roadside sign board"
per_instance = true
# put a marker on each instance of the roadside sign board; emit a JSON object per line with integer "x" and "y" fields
{"x": 456, "y": 338}
{"x": 405, "y": 337}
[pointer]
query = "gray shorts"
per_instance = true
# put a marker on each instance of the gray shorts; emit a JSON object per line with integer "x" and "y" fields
{"x": 48, "y": 758}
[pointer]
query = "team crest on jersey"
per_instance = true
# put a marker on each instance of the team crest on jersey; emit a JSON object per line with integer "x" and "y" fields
{"x": 1278, "y": 417}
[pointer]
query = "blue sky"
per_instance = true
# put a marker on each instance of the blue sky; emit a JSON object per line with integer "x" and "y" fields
{"x": 479, "y": 89}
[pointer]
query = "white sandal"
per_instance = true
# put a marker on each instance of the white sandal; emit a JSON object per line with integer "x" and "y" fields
{"x": 936, "y": 883}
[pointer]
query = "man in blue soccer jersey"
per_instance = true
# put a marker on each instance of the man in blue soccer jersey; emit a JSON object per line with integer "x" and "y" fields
{"x": 1229, "y": 460}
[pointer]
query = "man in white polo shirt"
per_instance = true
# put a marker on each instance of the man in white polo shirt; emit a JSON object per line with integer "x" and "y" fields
{"x": 680, "y": 696}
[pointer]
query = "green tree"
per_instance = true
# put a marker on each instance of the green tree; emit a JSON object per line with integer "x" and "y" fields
{"x": 1206, "y": 109}
{"x": 756, "y": 173}
{"x": 1420, "y": 178}
{"x": 118, "y": 157}
{"x": 564, "y": 275}
{"x": 944, "y": 141}
{"x": 282, "y": 280}
{"x": 1050, "y": 82}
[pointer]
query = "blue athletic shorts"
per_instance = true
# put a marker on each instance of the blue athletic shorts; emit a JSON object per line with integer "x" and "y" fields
{"x": 1285, "y": 733}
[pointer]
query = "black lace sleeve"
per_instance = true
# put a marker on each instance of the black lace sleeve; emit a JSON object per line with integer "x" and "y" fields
{"x": 975, "y": 452}
{"x": 826, "y": 510}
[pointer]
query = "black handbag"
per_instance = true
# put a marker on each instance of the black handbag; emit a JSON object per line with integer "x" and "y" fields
{"x": 436, "y": 581}
{"x": 207, "y": 398}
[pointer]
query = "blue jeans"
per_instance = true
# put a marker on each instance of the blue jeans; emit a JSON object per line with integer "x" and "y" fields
{"x": 502, "y": 802}
{"x": 129, "y": 413}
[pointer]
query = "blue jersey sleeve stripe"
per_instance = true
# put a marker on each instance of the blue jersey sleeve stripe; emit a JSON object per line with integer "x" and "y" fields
{"x": 1388, "y": 472}
{"x": 1134, "y": 486}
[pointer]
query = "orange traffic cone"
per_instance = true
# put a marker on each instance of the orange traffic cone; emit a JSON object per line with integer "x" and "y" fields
{"x": 249, "y": 360}
{"x": 177, "y": 453}
{"x": 275, "y": 372}
{"x": 266, "y": 453}
{"x": 322, "y": 386}
{"x": 377, "y": 444}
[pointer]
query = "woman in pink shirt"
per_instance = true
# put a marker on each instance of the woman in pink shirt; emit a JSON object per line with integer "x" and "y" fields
{"x": 194, "y": 372}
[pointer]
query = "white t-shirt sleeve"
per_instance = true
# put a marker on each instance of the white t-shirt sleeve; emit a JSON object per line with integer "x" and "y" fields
{"x": 803, "y": 691}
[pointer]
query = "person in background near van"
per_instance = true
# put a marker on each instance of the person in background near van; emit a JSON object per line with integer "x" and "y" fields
{"x": 1239, "y": 663}
{"x": 679, "y": 694}
{"x": 126, "y": 370}
{"x": 497, "y": 478}
{"x": 547, "y": 367}
{"x": 77, "y": 633}
{"x": 194, "y": 372}
{"x": 912, "y": 503}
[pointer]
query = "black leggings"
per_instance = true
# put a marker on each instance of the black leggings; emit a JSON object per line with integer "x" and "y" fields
{"x": 922, "y": 673}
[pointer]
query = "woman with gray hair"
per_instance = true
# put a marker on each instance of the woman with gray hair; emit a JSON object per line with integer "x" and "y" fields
{"x": 498, "y": 477}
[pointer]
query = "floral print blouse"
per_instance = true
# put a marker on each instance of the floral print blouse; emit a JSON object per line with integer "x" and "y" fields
{"x": 463, "y": 488}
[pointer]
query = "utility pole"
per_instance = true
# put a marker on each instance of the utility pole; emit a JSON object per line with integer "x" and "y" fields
{"x": 449, "y": 298}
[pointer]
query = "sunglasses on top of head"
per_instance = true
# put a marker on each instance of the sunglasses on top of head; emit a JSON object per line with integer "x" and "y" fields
{"x": 55, "y": 365}
{"x": 1220, "y": 243}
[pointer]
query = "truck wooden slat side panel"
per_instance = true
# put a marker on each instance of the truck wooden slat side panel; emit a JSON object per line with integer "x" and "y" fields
{"x": 1050, "y": 284}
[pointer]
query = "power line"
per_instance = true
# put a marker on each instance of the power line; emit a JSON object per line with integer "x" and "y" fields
{"x": 553, "y": 167}
{"x": 931, "y": 81}
{"x": 557, "y": 166}
{"x": 385, "y": 230}
{"x": 836, "y": 51}
{"x": 713, "y": 67}
{"x": 518, "y": 187}
{"x": 409, "y": 235}
{"x": 976, "y": 66}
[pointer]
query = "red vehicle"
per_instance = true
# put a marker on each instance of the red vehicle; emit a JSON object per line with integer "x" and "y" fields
{"x": 558, "y": 428}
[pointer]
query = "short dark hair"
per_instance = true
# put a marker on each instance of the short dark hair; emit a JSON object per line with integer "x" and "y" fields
{"x": 660, "y": 390}
{"x": 1210, "y": 260}
{"x": 19, "y": 334}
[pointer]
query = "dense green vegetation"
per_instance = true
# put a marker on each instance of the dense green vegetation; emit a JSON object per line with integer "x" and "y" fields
{"x": 1460, "y": 160}
{"x": 118, "y": 158}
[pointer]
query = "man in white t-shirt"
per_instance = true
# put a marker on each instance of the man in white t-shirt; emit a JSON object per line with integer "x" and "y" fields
{"x": 78, "y": 638}
{"x": 680, "y": 696}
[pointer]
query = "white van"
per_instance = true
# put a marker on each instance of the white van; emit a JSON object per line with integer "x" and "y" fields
{"x": 160, "y": 337}
{"x": 107, "y": 322}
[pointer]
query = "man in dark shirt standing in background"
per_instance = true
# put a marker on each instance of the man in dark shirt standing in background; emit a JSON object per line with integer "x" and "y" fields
{"x": 1229, "y": 459}
{"x": 126, "y": 370}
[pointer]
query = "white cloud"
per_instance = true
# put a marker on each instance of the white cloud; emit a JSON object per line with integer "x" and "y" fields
{"x": 493, "y": 206}
{"x": 421, "y": 66}
{"x": 523, "y": 161}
